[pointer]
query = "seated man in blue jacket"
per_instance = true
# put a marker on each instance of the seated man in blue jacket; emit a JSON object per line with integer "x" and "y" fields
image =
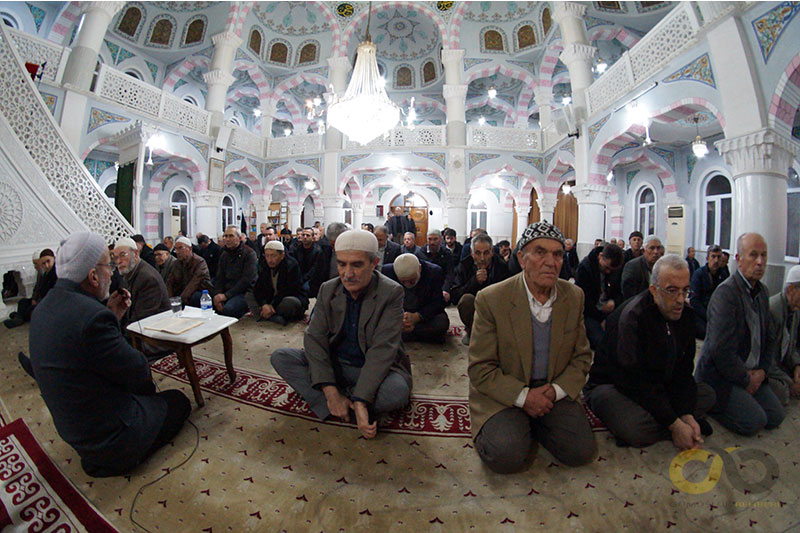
{"x": 97, "y": 387}
{"x": 641, "y": 384}
{"x": 424, "y": 319}
{"x": 278, "y": 295}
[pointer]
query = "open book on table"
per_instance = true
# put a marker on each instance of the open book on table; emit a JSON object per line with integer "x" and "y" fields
{"x": 176, "y": 325}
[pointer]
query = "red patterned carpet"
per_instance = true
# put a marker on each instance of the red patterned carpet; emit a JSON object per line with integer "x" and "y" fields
{"x": 426, "y": 415}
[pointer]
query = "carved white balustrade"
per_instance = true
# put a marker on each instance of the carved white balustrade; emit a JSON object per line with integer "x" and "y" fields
{"x": 675, "y": 33}
{"x": 246, "y": 142}
{"x": 503, "y": 138}
{"x": 32, "y": 49}
{"x": 308, "y": 144}
{"x": 402, "y": 137}
{"x": 150, "y": 101}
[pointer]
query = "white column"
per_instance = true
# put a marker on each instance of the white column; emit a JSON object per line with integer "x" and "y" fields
{"x": 759, "y": 162}
{"x": 457, "y": 214}
{"x": 152, "y": 208}
{"x": 523, "y": 211}
{"x": 219, "y": 77}
{"x": 334, "y": 209}
{"x": 577, "y": 54}
{"x": 338, "y": 69}
{"x": 455, "y": 94}
{"x": 543, "y": 96}
{"x": 358, "y": 215}
{"x": 547, "y": 209}
{"x": 267, "y": 117}
{"x": 261, "y": 206}
{"x": 591, "y": 214}
{"x": 83, "y": 57}
{"x": 208, "y": 212}
{"x": 295, "y": 211}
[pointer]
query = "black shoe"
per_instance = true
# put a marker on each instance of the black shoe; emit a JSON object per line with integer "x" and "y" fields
{"x": 12, "y": 323}
{"x": 705, "y": 428}
{"x": 278, "y": 319}
{"x": 25, "y": 362}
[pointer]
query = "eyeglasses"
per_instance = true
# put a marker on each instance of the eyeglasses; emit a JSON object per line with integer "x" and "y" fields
{"x": 674, "y": 292}
{"x": 108, "y": 265}
{"x": 122, "y": 255}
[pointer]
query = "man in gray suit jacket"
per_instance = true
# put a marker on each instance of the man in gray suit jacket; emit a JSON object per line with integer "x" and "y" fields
{"x": 739, "y": 348}
{"x": 784, "y": 307}
{"x": 353, "y": 357}
{"x": 636, "y": 274}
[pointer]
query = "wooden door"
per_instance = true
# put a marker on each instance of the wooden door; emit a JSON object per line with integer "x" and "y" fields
{"x": 565, "y": 217}
{"x": 420, "y": 217}
{"x": 534, "y": 215}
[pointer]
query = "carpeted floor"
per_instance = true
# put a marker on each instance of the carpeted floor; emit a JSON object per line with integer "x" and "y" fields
{"x": 261, "y": 465}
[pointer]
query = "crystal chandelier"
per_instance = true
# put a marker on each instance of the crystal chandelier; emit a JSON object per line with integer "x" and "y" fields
{"x": 365, "y": 111}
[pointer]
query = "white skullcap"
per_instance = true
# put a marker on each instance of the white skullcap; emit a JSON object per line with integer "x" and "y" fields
{"x": 357, "y": 239}
{"x": 79, "y": 254}
{"x": 274, "y": 245}
{"x": 793, "y": 276}
{"x": 36, "y": 254}
{"x": 406, "y": 266}
{"x": 126, "y": 242}
{"x": 184, "y": 240}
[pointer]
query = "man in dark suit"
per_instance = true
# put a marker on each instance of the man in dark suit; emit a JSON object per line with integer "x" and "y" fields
{"x": 309, "y": 256}
{"x": 397, "y": 225}
{"x": 147, "y": 288}
{"x": 410, "y": 244}
{"x": 784, "y": 308}
{"x": 388, "y": 250}
{"x": 691, "y": 261}
{"x": 353, "y": 357}
{"x": 436, "y": 253}
{"x": 452, "y": 244}
{"x": 641, "y": 384}
{"x": 739, "y": 348}
{"x": 211, "y": 252}
{"x": 636, "y": 239}
{"x": 98, "y": 389}
{"x": 705, "y": 281}
{"x": 636, "y": 273}
{"x": 599, "y": 277}
{"x": 278, "y": 294}
{"x": 424, "y": 319}
{"x": 236, "y": 274}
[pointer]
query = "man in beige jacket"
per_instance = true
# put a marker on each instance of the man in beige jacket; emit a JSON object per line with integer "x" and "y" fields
{"x": 528, "y": 360}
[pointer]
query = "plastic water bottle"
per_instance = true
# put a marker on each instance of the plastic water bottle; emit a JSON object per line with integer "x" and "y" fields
{"x": 205, "y": 304}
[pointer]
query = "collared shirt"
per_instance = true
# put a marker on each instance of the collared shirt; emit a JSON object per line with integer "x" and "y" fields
{"x": 542, "y": 313}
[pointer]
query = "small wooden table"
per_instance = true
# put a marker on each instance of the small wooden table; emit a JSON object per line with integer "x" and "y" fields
{"x": 183, "y": 343}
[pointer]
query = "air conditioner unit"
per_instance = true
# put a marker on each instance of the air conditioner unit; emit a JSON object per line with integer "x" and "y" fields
{"x": 564, "y": 120}
{"x": 172, "y": 221}
{"x": 676, "y": 230}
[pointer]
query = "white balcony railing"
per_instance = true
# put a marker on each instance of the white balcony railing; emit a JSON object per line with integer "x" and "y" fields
{"x": 39, "y": 51}
{"x": 403, "y": 137}
{"x": 503, "y": 138}
{"x": 150, "y": 101}
{"x": 308, "y": 144}
{"x": 673, "y": 35}
{"x": 246, "y": 142}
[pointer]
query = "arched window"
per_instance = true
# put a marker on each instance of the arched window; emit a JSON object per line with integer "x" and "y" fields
{"x": 546, "y": 22}
{"x": 227, "y": 211}
{"x": 129, "y": 23}
{"x": 793, "y": 216}
{"x": 195, "y": 32}
{"x": 718, "y": 211}
{"x": 646, "y": 212}
{"x": 308, "y": 54}
{"x": 279, "y": 53}
{"x": 478, "y": 214}
{"x": 428, "y": 72}
{"x": 9, "y": 20}
{"x": 526, "y": 37}
{"x": 255, "y": 41}
{"x": 189, "y": 99}
{"x": 162, "y": 31}
{"x": 111, "y": 190}
{"x": 179, "y": 200}
{"x": 133, "y": 74}
{"x": 493, "y": 40}
{"x": 404, "y": 77}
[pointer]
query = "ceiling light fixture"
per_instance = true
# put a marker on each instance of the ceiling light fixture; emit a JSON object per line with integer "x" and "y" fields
{"x": 310, "y": 185}
{"x": 602, "y": 66}
{"x": 610, "y": 175}
{"x": 566, "y": 100}
{"x": 492, "y": 92}
{"x": 699, "y": 146}
{"x": 287, "y": 131}
{"x": 481, "y": 121}
{"x": 566, "y": 188}
{"x": 257, "y": 112}
{"x": 365, "y": 111}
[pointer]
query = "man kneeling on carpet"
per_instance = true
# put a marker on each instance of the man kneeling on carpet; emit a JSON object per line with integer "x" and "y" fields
{"x": 98, "y": 389}
{"x": 641, "y": 384}
{"x": 353, "y": 357}
{"x": 528, "y": 359}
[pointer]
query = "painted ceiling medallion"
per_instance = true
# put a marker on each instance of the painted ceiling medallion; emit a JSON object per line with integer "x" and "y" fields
{"x": 291, "y": 18}
{"x": 345, "y": 10}
{"x": 403, "y": 34}
{"x": 444, "y": 6}
{"x": 399, "y": 27}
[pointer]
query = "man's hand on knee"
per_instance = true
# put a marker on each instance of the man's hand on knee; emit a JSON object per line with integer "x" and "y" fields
{"x": 537, "y": 402}
{"x": 338, "y": 404}
{"x": 362, "y": 419}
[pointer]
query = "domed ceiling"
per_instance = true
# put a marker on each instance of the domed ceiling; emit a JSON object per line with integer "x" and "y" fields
{"x": 291, "y": 18}
{"x": 498, "y": 11}
{"x": 404, "y": 34}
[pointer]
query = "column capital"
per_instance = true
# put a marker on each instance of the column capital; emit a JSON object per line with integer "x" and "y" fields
{"x": 133, "y": 135}
{"x": 543, "y": 95}
{"x": 592, "y": 193}
{"x": 357, "y": 206}
{"x": 452, "y": 55}
{"x": 332, "y": 200}
{"x": 575, "y": 51}
{"x": 260, "y": 203}
{"x": 762, "y": 151}
{"x": 566, "y": 10}
{"x": 207, "y": 198}
{"x": 546, "y": 204}
{"x": 218, "y": 77}
{"x": 523, "y": 210}
{"x": 109, "y": 8}
{"x": 454, "y": 91}
{"x": 339, "y": 63}
{"x": 455, "y": 201}
{"x": 228, "y": 38}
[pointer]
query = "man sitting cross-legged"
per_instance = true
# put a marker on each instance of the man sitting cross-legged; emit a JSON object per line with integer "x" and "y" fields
{"x": 353, "y": 357}
{"x": 528, "y": 360}
{"x": 278, "y": 294}
{"x": 784, "y": 307}
{"x": 190, "y": 277}
{"x": 641, "y": 384}
{"x": 424, "y": 319}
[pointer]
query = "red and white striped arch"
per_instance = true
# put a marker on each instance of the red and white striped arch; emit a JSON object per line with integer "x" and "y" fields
{"x": 389, "y": 179}
{"x": 247, "y": 175}
{"x": 494, "y": 103}
{"x": 244, "y": 91}
{"x": 183, "y": 69}
{"x": 548, "y": 63}
{"x": 526, "y": 94}
{"x": 564, "y": 162}
{"x": 237, "y": 13}
{"x": 650, "y": 161}
{"x": 686, "y": 107}
{"x": 608, "y": 33}
{"x": 359, "y": 20}
{"x": 99, "y": 142}
{"x": 786, "y": 99}
{"x": 601, "y": 162}
{"x": 422, "y": 102}
{"x": 453, "y": 38}
{"x": 60, "y": 32}
{"x": 262, "y": 84}
{"x": 356, "y": 193}
{"x": 521, "y": 196}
